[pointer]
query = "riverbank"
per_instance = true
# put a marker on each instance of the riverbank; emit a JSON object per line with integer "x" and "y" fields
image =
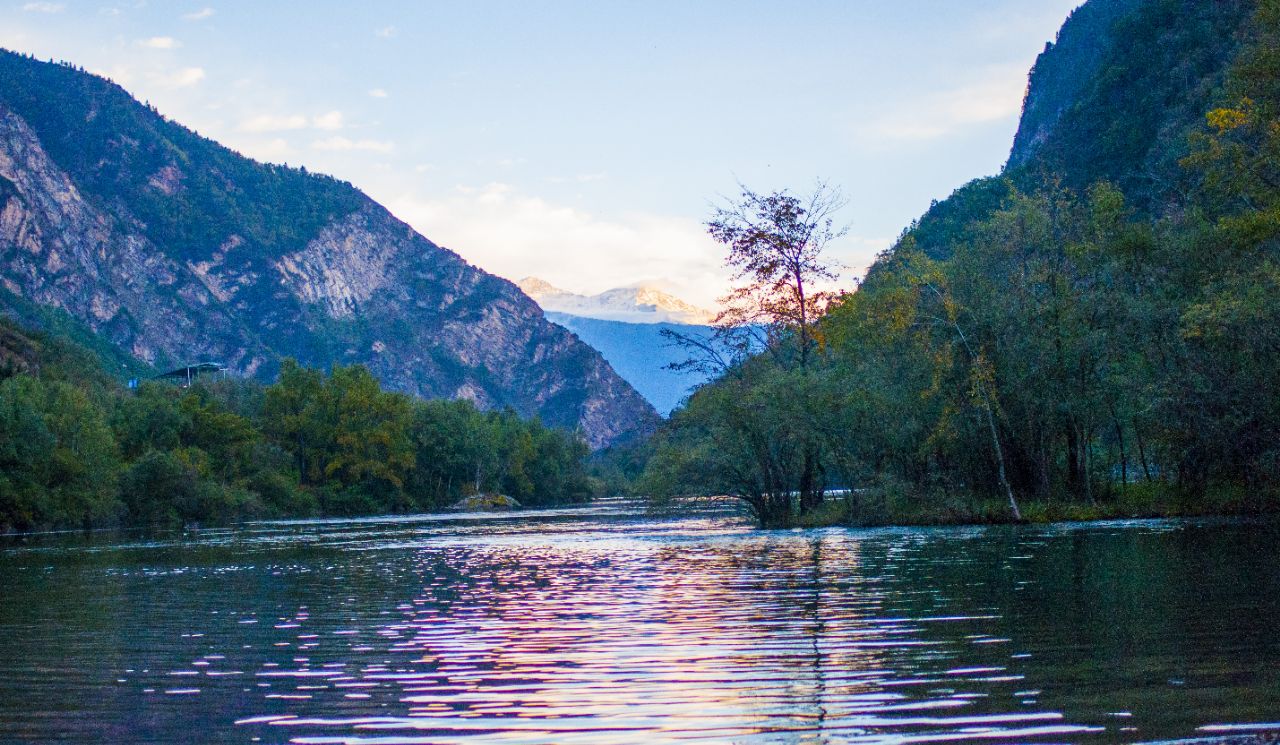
{"x": 886, "y": 507}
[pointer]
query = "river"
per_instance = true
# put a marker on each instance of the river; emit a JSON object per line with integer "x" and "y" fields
{"x": 599, "y": 624}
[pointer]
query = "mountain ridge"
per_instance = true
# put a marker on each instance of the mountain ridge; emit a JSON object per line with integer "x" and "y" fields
{"x": 174, "y": 247}
{"x": 638, "y": 303}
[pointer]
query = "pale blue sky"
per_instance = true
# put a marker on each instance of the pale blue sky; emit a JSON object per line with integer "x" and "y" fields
{"x": 583, "y": 141}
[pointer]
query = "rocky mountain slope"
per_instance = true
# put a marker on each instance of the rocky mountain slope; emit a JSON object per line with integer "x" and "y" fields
{"x": 175, "y": 248}
{"x": 641, "y": 303}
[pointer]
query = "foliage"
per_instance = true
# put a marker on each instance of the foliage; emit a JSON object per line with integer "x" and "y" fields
{"x": 78, "y": 450}
{"x": 758, "y": 421}
{"x": 116, "y": 150}
{"x": 1047, "y": 347}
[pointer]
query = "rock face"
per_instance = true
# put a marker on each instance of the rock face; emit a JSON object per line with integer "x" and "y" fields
{"x": 1116, "y": 97}
{"x": 175, "y": 248}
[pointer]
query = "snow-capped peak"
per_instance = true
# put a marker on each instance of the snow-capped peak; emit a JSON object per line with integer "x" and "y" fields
{"x": 641, "y": 303}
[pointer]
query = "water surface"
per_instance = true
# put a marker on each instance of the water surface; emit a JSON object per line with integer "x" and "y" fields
{"x": 601, "y": 625}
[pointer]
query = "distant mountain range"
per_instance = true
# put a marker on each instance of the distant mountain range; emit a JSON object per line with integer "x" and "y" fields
{"x": 626, "y": 325}
{"x": 640, "y": 303}
{"x": 176, "y": 249}
{"x": 640, "y": 354}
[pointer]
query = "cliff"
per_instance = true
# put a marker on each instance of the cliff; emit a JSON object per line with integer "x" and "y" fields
{"x": 175, "y": 248}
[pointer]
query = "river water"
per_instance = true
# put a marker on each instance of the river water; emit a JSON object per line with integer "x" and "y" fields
{"x": 600, "y": 624}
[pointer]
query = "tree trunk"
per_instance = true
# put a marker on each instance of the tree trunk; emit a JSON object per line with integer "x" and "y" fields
{"x": 1073, "y": 460}
{"x": 1124, "y": 458}
{"x": 1142, "y": 450}
{"x": 995, "y": 443}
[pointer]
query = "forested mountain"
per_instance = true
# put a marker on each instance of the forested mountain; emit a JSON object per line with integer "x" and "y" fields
{"x": 1116, "y": 98}
{"x": 1091, "y": 332}
{"x": 177, "y": 249}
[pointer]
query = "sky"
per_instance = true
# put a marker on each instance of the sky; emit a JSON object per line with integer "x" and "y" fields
{"x": 583, "y": 142}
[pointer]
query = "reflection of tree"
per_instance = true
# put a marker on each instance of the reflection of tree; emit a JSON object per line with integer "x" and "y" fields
{"x": 819, "y": 627}
{"x": 789, "y": 654}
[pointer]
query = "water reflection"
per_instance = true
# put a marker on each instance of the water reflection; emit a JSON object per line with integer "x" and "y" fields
{"x": 599, "y": 625}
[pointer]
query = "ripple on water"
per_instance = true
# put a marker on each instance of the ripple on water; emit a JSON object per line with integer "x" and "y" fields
{"x": 599, "y": 625}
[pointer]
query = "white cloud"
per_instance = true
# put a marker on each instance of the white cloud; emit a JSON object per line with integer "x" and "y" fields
{"x": 44, "y": 7}
{"x": 330, "y": 121}
{"x": 199, "y": 15}
{"x": 275, "y": 150}
{"x": 184, "y": 77}
{"x": 161, "y": 42}
{"x": 377, "y": 93}
{"x": 342, "y": 144}
{"x": 995, "y": 97}
{"x": 516, "y": 235}
{"x": 117, "y": 73}
{"x": 386, "y": 32}
{"x": 270, "y": 123}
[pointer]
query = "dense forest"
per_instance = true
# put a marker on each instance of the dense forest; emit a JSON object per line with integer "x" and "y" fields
{"x": 1066, "y": 340}
{"x": 78, "y": 449}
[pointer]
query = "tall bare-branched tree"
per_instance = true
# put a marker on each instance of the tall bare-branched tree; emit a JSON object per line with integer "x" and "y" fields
{"x": 775, "y": 244}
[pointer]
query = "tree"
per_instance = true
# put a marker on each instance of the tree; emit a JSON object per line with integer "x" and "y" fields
{"x": 775, "y": 245}
{"x": 768, "y": 339}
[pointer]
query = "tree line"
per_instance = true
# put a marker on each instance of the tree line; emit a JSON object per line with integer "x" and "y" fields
{"x": 1043, "y": 352}
{"x": 79, "y": 450}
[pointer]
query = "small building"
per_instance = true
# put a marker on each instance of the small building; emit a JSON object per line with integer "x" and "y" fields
{"x": 185, "y": 376}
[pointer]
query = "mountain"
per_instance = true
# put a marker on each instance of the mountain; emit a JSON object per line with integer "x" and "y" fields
{"x": 626, "y": 324}
{"x": 1116, "y": 97}
{"x": 175, "y": 248}
{"x": 1091, "y": 333}
{"x": 640, "y": 353}
{"x": 1118, "y": 94}
{"x": 642, "y": 303}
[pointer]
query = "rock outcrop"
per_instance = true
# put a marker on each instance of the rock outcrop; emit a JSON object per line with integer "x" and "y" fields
{"x": 175, "y": 248}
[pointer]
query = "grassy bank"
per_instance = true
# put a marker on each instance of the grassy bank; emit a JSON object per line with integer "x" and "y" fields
{"x": 885, "y": 506}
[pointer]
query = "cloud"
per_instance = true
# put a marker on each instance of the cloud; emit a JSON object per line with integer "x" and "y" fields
{"x": 995, "y": 97}
{"x": 386, "y": 32}
{"x": 199, "y": 15}
{"x": 330, "y": 121}
{"x": 342, "y": 144}
{"x": 275, "y": 150}
{"x": 184, "y": 77}
{"x": 160, "y": 42}
{"x": 270, "y": 123}
{"x": 44, "y": 7}
{"x": 377, "y": 93}
{"x": 516, "y": 235}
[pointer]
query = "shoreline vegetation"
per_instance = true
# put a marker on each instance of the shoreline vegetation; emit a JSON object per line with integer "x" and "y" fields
{"x": 80, "y": 450}
{"x": 1091, "y": 334}
{"x": 1069, "y": 338}
{"x": 1137, "y": 502}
